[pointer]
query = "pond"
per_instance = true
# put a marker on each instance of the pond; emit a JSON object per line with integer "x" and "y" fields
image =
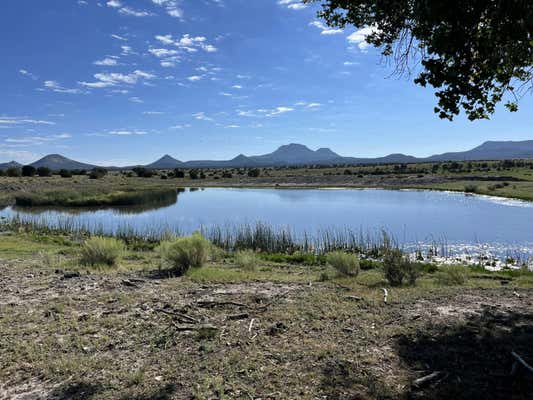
{"x": 456, "y": 220}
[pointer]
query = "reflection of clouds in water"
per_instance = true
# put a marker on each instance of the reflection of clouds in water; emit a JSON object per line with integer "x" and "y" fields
{"x": 410, "y": 216}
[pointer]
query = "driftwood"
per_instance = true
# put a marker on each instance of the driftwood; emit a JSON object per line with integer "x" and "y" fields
{"x": 520, "y": 362}
{"x": 234, "y": 317}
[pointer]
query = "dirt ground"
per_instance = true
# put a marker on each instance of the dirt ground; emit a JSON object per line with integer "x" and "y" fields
{"x": 141, "y": 335}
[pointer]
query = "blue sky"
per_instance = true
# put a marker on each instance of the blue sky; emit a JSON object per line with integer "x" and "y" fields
{"x": 125, "y": 81}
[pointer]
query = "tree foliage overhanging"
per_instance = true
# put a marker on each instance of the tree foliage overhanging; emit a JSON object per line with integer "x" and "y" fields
{"x": 473, "y": 52}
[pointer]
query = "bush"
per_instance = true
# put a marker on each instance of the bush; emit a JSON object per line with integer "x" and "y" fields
{"x": 452, "y": 275}
{"x": 13, "y": 172}
{"x": 246, "y": 259}
{"x": 65, "y": 173}
{"x": 471, "y": 189}
{"x": 254, "y": 173}
{"x": 101, "y": 251}
{"x": 178, "y": 173}
{"x": 2, "y": 172}
{"x": 98, "y": 173}
{"x": 344, "y": 263}
{"x": 28, "y": 170}
{"x": 183, "y": 253}
{"x": 397, "y": 267}
{"x": 44, "y": 171}
{"x": 193, "y": 174}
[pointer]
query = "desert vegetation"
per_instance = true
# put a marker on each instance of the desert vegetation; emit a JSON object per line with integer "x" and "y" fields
{"x": 237, "y": 316}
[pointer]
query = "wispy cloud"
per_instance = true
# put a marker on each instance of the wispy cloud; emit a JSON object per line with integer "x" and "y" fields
{"x": 104, "y": 80}
{"x": 108, "y": 62}
{"x": 27, "y": 73}
{"x": 171, "y": 7}
{"x": 54, "y": 86}
{"x": 201, "y": 116}
{"x": 325, "y": 30}
{"x": 127, "y": 132}
{"x": 22, "y": 120}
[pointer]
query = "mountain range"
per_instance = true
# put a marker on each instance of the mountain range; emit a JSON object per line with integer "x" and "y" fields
{"x": 297, "y": 154}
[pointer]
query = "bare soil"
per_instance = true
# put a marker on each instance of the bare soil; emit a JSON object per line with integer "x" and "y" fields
{"x": 138, "y": 335}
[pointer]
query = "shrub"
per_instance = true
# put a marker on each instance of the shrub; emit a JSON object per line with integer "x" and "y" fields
{"x": 246, "y": 259}
{"x": 254, "y": 173}
{"x": 101, "y": 251}
{"x": 452, "y": 275}
{"x": 2, "y": 172}
{"x": 397, "y": 267}
{"x": 344, "y": 263}
{"x": 44, "y": 171}
{"x": 13, "y": 172}
{"x": 193, "y": 174}
{"x": 98, "y": 173}
{"x": 183, "y": 253}
{"x": 65, "y": 173}
{"x": 471, "y": 189}
{"x": 28, "y": 170}
{"x": 227, "y": 175}
{"x": 178, "y": 173}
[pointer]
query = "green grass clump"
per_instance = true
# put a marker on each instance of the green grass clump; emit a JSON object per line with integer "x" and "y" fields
{"x": 295, "y": 258}
{"x": 101, "y": 251}
{"x": 345, "y": 264}
{"x": 183, "y": 253}
{"x": 246, "y": 259}
{"x": 453, "y": 275}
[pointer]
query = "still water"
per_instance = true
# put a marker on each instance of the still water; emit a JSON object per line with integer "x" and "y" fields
{"x": 410, "y": 216}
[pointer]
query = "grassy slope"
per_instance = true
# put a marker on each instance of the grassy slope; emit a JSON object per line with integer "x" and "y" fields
{"x": 113, "y": 334}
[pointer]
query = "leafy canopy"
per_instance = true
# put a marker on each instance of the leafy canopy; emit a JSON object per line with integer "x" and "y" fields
{"x": 473, "y": 52}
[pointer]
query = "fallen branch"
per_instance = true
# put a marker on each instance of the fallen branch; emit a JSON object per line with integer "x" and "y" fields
{"x": 202, "y": 327}
{"x": 177, "y": 315}
{"x": 519, "y": 361}
{"x": 425, "y": 380}
{"x": 212, "y": 303}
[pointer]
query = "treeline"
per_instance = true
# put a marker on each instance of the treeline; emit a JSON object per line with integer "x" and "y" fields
{"x": 30, "y": 171}
{"x": 194, "y": 173}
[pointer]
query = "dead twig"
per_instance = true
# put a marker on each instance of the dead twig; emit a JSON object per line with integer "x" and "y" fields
{"x": 519, "y": 361}
{"x": 177, "y": 315}
{"x": 212, "y": 303}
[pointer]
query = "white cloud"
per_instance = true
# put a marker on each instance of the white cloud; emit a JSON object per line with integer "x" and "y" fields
{"x": 23, "y": 120}
{"x": 153, "y": 113}
{"x": 134, "y": 13}
{"x": 292, "y": 4}
{"x": 314, "y": 105}
{"x": 171, "y": 7}
{"x": 136, "y": 100}
{"x": 28, "y": 74}
{"x": 127, "y": 132}
{"x": 56, "y": 87}
{"x": 350, "y": 63}
{"x": 108, "y": 62}
{"x": 161, "y": 53}
{"x": 237, "y": 87}
{"x": 126, "y": 50}
{"x": 280, "y": 110}
{"x": 202, "y": 117}
{"x": 187, "y": 43}
{"x": 114, "y": 3}
{"x": 118, "y": 37}
{"x": 325, "y": 29}
{"x": 359, "y": 37}
{"x": 194, "y": 78}
{"x": 112, "y": 79}
{"x": 233, "y": 126}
